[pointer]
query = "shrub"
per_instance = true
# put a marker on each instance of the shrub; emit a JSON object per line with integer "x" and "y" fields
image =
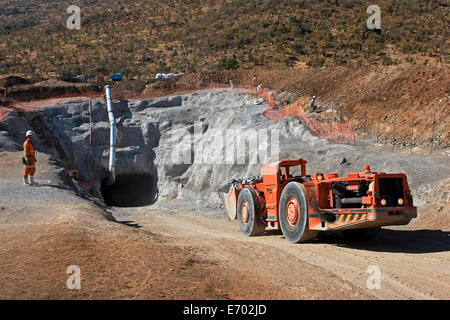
{"x": 298, "y": 46}
{"x": 411, "y": 60}
{"x": 387, "y": 61}
{"x": 316, "y": 62}
{"x": 227, "y": 64}
{"x": 163, "y": 68}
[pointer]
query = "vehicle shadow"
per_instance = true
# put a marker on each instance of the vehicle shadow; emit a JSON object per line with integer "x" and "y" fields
{"x": 388, "y": 240}
{"x": 51, "y": 186}
{"x": 129, "y": 224}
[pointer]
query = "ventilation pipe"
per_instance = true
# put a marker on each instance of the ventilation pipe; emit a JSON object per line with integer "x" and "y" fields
{"x": 112, "y": 138}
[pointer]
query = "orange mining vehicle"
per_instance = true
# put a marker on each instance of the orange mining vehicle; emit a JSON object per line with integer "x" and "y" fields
{"x": 301, "y": 205}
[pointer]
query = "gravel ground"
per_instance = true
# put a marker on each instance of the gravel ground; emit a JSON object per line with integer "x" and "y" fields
{"x": 15, "y": 193}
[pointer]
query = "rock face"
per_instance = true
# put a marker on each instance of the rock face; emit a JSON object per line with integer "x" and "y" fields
{"x": 148, "y": 132}
{"x": 184, "y": 148}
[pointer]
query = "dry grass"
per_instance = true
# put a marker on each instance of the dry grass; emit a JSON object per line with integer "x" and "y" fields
{"x": 141, "y": 37}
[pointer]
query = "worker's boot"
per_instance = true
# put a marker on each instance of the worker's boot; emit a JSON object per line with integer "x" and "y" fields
{"x": 32, "y": 183}
{"x": 25, "y": 181}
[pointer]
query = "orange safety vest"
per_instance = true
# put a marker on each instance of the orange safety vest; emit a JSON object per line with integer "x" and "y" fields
{"x": 29, "y": 154}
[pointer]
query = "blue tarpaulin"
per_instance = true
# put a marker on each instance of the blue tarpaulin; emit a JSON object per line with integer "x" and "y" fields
{"x": 116, "y": 77}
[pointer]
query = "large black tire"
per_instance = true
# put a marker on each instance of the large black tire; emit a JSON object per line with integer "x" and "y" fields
{"x": 248, "y": 216}
{"x": 361, "y": 234}
{"x": 293, "y": 214}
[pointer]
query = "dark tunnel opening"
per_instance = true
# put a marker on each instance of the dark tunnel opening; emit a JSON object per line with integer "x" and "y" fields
{"x": 129, "y": 190}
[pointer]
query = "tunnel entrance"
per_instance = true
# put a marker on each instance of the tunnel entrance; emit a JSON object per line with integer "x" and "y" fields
{"x": 130, "y": 190}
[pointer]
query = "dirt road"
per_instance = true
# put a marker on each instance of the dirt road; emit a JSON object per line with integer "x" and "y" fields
{"x": 412, "y": 262}
{"x": 166, "y": 254}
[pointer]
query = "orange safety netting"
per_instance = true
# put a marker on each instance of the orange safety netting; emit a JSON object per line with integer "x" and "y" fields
{"x": 268, "y": 96}
{"x": 333, "y": 131}
{"x": 4, "y": 111}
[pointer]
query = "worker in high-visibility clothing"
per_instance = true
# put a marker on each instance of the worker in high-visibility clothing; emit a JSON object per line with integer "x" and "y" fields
{"x": 30, "y": 159}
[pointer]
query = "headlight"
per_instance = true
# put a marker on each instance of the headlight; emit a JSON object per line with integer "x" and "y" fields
{"x": 383, "y": 202}
{"x": 400, "y": 201}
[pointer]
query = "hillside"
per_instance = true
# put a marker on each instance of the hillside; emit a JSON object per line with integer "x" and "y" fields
{"x": 140, "y": 37}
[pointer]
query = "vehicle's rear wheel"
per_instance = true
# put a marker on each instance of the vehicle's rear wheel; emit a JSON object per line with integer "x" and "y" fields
{"x": 293, "y": 214}
{"x": 248, "y": 216}
{"x": 361, "y": 234}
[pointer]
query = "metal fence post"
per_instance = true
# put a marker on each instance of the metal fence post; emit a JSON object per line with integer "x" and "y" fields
{"x": 365, "y": 129}
{"x": 378, "y": 127}
{"x": 393, "y": 140}
{"x": 90, "y": 122}
{"x": 432, "y": 132}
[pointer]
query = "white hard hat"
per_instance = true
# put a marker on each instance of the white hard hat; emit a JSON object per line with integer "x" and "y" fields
{"x": 314, "y": 97}
{"x": 29, "y": 133}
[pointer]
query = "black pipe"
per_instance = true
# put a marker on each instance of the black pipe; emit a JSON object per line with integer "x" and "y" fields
{"x": 339, "y": 188}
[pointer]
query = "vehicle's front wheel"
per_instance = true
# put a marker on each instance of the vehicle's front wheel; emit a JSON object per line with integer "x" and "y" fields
{"x": 248, "y": 216}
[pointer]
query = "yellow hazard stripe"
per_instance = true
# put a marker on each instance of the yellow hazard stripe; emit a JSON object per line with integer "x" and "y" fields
{"x": 350, "y": 218}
